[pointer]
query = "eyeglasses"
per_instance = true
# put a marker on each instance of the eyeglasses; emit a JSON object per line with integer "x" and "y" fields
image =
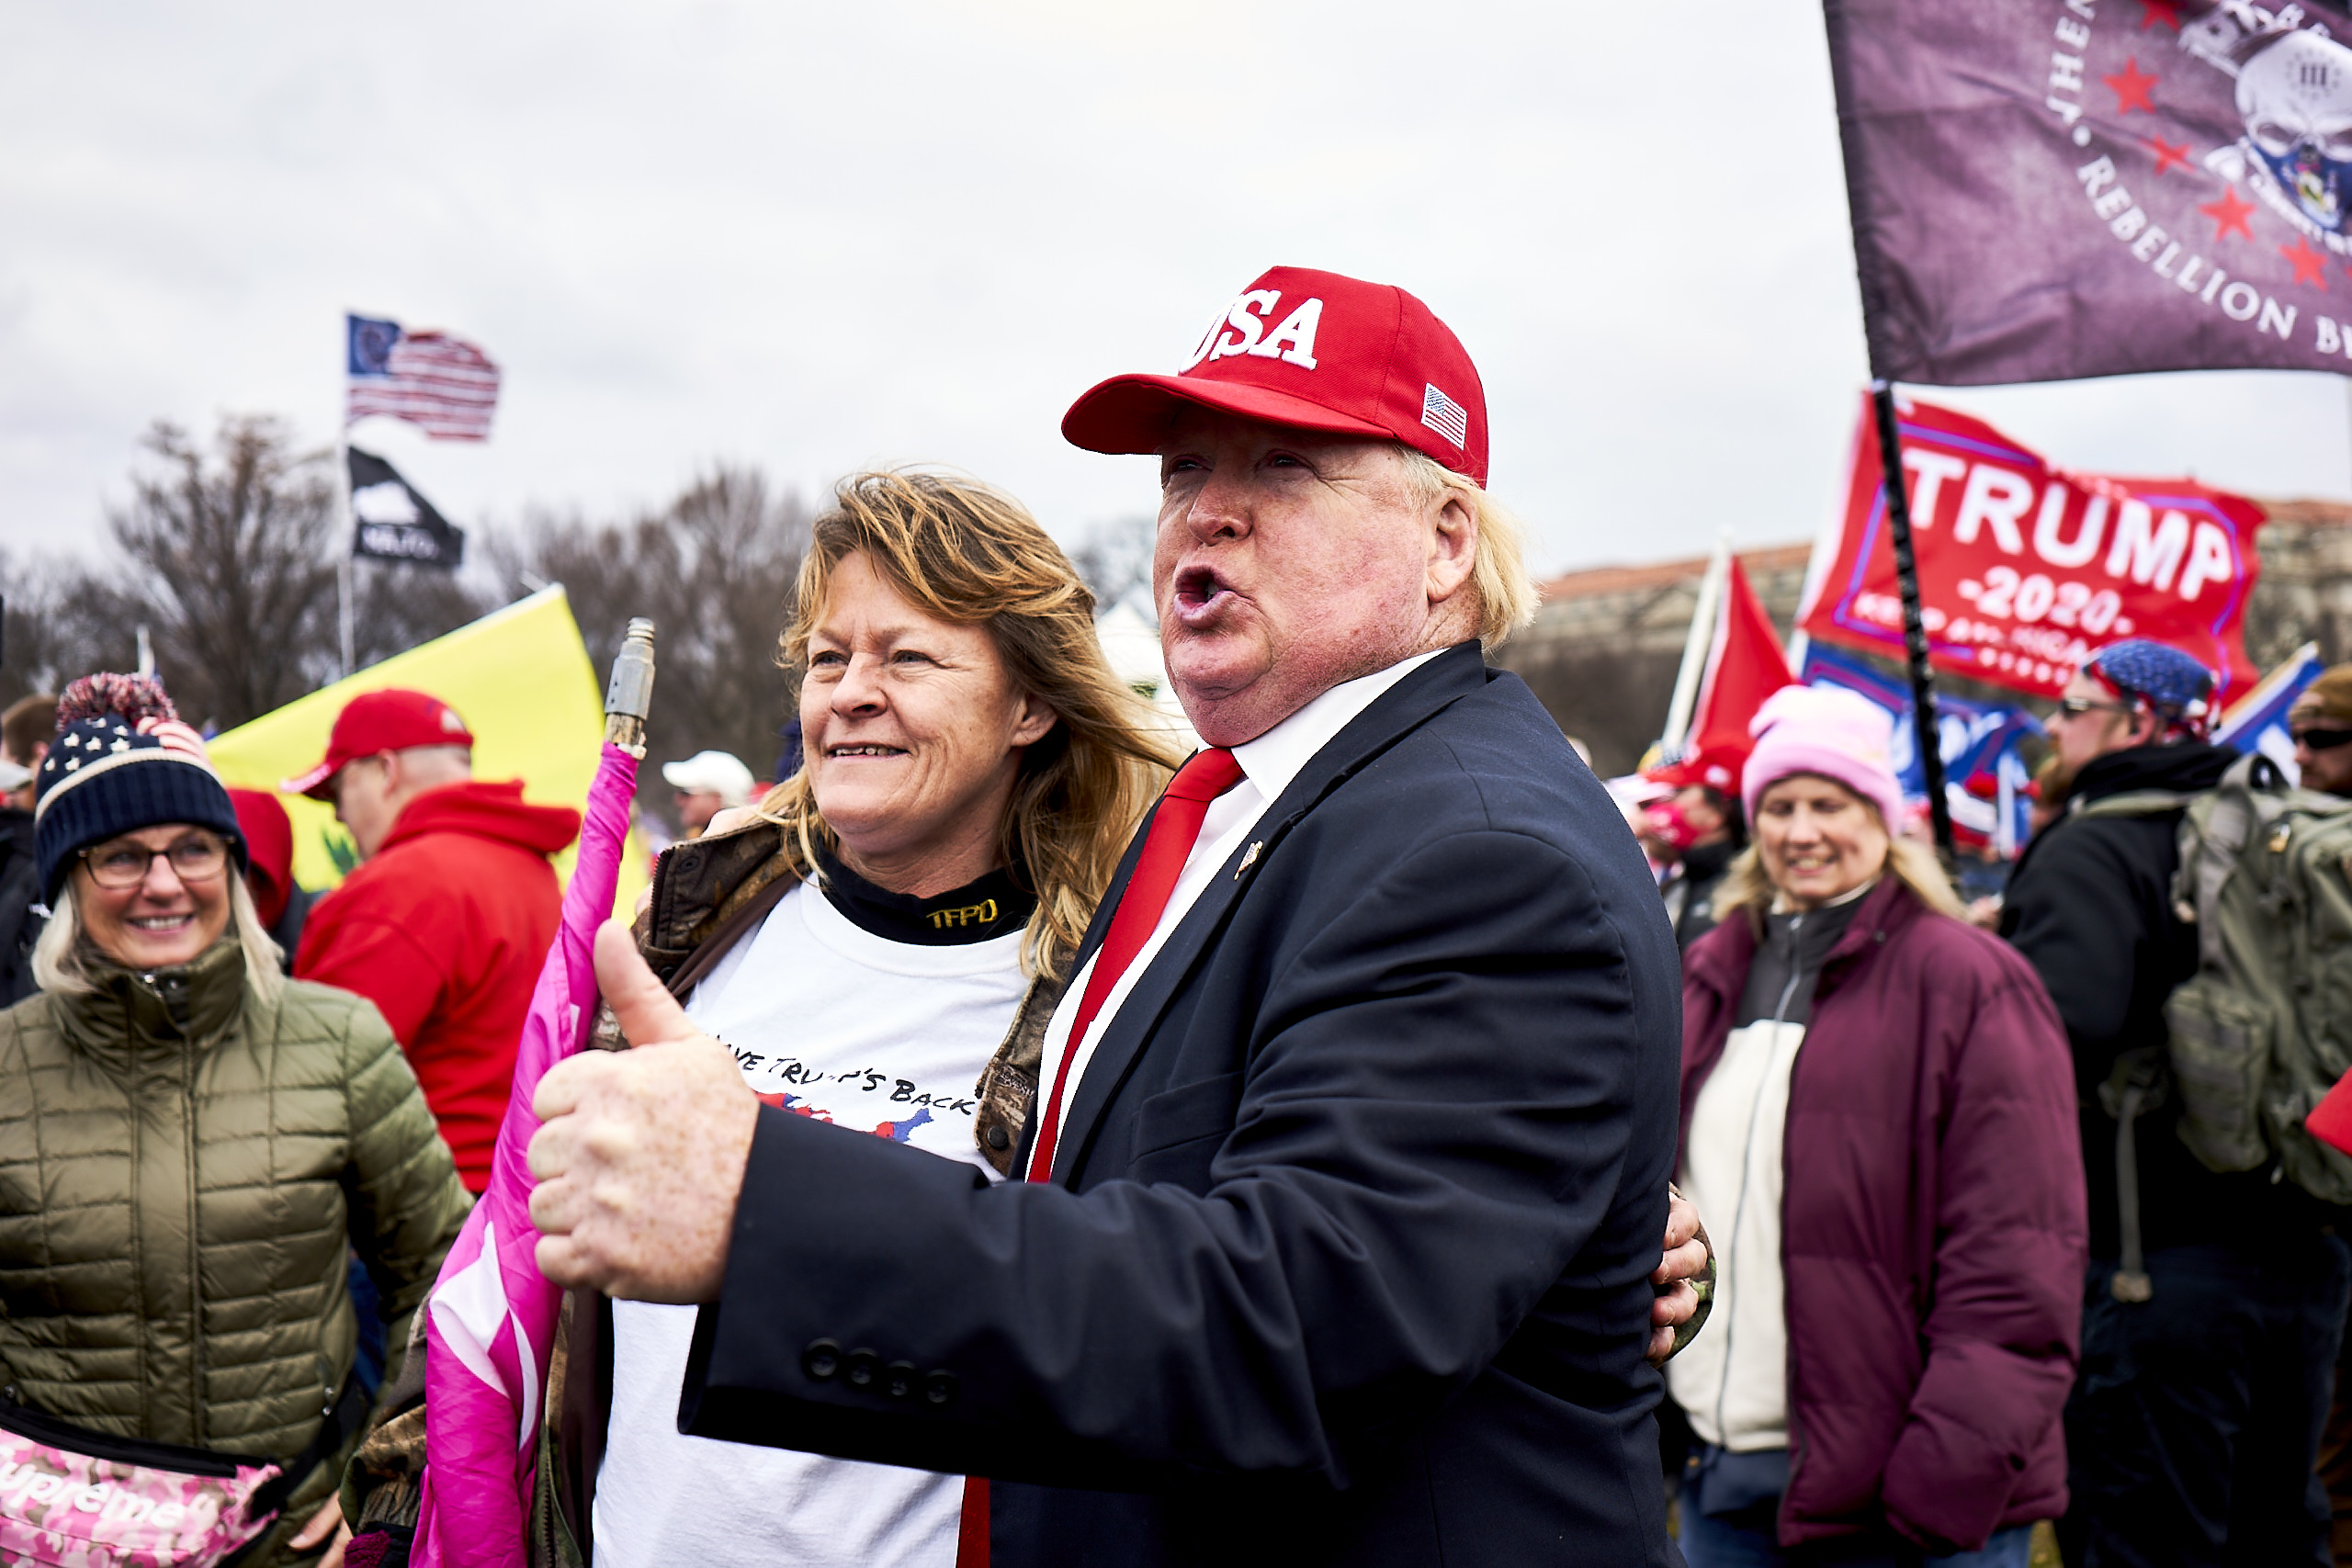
{"x": 2324, "y": 739}
{"x": 2075, "y": 708}
{"x": 200, "y": 857}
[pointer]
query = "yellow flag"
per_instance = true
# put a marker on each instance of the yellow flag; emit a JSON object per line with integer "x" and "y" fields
{"x": 520, "y": 679}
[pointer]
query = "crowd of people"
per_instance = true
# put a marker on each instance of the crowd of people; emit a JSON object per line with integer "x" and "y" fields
{"x": 2146, "y": 1346}
{"x": 1034, "y": 1146}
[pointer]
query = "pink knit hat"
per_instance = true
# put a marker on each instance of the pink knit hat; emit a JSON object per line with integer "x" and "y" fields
{"x": 1829, "y": 731}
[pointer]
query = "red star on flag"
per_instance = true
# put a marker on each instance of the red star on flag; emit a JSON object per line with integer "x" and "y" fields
{"x": 2132, "y": 89}
{"x": 2155, "y": 11}
{"x": 2311, "y": 266}
{"x": 2229, "y": 213}
{"x": 2167, "y": 155}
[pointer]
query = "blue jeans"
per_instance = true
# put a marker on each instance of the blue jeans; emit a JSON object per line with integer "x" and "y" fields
{"x": 1744, "y": 1491}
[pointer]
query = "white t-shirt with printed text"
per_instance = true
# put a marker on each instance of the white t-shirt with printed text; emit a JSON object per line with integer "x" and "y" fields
{"x": 830, "y": 1021}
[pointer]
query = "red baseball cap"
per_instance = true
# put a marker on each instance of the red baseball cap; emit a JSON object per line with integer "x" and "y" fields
{"x": 1314, "y": 350}
{"x": 1717, "y": 765}
{"x": 389, "y": 720}
{"x": 269, "y": 844}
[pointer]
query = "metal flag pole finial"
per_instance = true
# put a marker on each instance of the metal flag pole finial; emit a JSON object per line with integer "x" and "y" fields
{"x": 628, "y": 699}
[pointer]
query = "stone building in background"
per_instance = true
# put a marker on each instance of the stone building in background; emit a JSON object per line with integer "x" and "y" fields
{"x": 1602, "y": 653}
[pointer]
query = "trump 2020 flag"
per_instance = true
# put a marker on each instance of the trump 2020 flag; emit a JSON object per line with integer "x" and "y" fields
{"x": 2044, "y": 189}
{"x": 492, "y": 1317}
{"x": 2026, "y": 568}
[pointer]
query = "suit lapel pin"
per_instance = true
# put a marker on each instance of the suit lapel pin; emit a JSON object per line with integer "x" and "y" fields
{"x": 1249, "y": 858}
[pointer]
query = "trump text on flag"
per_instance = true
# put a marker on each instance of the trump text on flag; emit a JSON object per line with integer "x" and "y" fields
{"x": 2024, "y": 569}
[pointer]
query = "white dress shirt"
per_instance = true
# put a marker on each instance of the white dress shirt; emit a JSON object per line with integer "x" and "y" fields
{"x": 1268, "y": 765}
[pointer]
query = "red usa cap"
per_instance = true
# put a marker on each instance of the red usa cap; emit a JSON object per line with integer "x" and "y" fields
{"x": 1314, "y": 350}
{"x": 389, "y": 720}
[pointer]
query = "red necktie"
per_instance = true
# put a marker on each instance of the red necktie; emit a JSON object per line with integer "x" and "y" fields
{"x": 1173, "y": 829}
{"x": 1178, "y": 823}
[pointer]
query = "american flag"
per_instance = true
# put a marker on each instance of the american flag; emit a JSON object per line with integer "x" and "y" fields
{"x": 443, "y": 383}
{"x": 1444, "y": 415}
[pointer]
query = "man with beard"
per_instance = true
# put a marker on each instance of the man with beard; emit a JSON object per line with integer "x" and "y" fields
{"x": 2194, "y": 1422}
{"x": 2320, "y": 722}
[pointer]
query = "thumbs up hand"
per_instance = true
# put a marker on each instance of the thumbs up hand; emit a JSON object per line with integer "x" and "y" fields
{"x": 641, "y": 1154}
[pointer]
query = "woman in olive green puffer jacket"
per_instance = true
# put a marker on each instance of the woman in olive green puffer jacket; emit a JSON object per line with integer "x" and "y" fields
{"x": 185, "y": 1147}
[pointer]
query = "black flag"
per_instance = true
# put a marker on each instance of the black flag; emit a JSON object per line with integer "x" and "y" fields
{"x": 2044, "y": 189}
{"x": 391, "y": 522}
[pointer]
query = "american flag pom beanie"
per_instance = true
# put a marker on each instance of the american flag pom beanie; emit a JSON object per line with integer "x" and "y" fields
{"x": 102, "y": 778}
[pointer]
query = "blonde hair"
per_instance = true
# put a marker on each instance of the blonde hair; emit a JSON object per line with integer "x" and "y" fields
{"x": 1506, "y": 594}
{"x": 61, "y": 955}
{"x": 1747, "y": 886}
{"x": 972, "y": 554}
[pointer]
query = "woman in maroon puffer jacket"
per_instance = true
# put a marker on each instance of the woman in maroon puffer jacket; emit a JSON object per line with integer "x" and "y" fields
{"x": 1877, "y": 1120}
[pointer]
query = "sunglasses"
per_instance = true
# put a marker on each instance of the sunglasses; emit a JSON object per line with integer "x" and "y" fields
{"x": 2075, "y": 708}
{"x": 2324, "y": 739}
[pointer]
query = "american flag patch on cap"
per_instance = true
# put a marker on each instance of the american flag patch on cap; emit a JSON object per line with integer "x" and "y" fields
{"x": 1444, "y": 415}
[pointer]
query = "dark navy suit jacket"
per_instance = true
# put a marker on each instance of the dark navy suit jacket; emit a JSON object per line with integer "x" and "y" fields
{"x": 1345, "y": 1259}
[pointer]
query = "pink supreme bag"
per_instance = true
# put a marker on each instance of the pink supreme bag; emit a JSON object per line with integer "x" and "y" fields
{"x": 73, "y": 1498}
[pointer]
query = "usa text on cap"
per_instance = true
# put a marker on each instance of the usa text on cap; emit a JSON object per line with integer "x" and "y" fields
{"x": 1317, "y": 350}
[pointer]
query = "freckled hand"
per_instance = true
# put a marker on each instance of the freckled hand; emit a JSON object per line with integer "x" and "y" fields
{"x": 642, "y": 1151}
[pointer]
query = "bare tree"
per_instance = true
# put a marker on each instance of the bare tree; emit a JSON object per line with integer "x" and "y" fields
{"x": 397, "y": 605}
{"x": 62, "y": 621}
{"x": 714, "y": 569}
{"x": 1115, "y": 557}
{"x": 231, "y": 560}
{"x": 227, "y": 556}
{"x": 738, "y": 547}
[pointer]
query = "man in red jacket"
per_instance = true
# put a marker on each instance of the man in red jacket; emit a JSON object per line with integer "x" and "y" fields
{"x": 447, "y": 922}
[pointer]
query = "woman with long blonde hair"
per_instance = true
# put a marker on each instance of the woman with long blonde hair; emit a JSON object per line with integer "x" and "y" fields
{"x": 963, "y": 554}
{"x": 881, "y": 940}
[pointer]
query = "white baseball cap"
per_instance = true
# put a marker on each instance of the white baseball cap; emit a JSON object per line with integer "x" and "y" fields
{"x": 718, "y": 772}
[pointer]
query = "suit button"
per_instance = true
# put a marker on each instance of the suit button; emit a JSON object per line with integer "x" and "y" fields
{"x": 821, "y": 1359}
{"x": 899, "y": 1379}
{"x": 940, "y": 1388}
{"x": 998, "y": 1139}
{"x": 860, "y": 1366}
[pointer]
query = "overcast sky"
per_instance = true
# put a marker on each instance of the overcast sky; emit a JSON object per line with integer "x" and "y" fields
{"x": 814, "y": 238}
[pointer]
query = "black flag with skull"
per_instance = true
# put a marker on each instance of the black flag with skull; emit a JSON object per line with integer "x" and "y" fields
{"x": 391, "y": 521}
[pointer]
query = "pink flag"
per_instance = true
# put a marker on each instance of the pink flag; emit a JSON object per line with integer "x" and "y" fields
{"x": 492, "y": 1315}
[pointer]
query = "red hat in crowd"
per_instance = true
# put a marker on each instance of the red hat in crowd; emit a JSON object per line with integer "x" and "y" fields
{"x": 389, "y": 720}
{"x": 1717, "y": 765}
{"x": 1317, "y": 350}
{"x": 269, "y": 844}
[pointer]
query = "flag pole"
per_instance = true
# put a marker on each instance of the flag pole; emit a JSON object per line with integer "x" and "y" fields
{"x": 342, "y": 607}
{"x": 1915, "y": 629}
{"x": 1695, "y": 643}
{"x": 342, "y": 611}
